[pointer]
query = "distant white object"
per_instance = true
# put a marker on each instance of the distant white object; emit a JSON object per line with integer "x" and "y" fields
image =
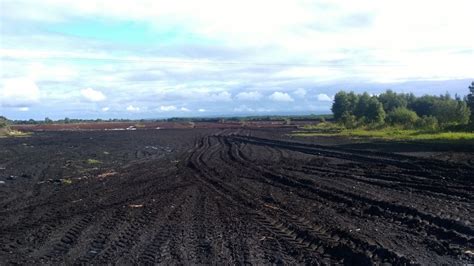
{"x": 158, "y": 127}
{"x": 2, "y": 182}
{"x": 131, "y": 128}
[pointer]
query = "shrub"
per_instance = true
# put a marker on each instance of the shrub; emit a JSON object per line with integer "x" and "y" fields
{"x": 451, "y": 112}
{"x": 402, "y": 116}
{"x": 391, "y": 100}
{"x": 348, "y": 120}
{"x": 4, "y": 126}
{"x": 427, "y": 123}
{"x": 3, "y": 122}
{"x": 374, "y": 113}
{"x": 344, "y": 102}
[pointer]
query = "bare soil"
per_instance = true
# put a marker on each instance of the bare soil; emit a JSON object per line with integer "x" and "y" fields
{"x": 232, "y": 196}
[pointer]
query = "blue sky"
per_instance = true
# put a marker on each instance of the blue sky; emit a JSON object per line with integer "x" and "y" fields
{"x": 156, "y": 58}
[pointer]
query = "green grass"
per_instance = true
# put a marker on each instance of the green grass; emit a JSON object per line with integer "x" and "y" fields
{"x": 387, "y": 133}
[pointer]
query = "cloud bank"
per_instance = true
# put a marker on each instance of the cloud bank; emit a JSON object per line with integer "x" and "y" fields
{"x": 282, "y": 56}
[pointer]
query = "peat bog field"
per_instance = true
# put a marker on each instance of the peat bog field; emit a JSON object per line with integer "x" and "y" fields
{"x": 231, "y": 196}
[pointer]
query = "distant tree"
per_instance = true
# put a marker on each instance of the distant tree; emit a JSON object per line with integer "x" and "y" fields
{"x": 470, "y": 101}
{"x": 353, "y": 100}
{"x": 47, "y": 120}
{"x": 375, "y": 112}
{"x": 348, "y": 120}
{"x": 3, "y": 122}
{"x": 451, "y": 112}
{"x": 362, "y": 105}
{"x": 344, "y": 102}
{"x": 340, "y": 105}
{"x": 403, "y": 109}
{"x": 391, "y": 100}
{"x": 427, "y": 123}
{"x": 423, "y": 106}
{"x": 402, "y": 116}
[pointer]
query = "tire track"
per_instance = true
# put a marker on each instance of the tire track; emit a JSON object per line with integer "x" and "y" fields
{"x": 248, "y": 200}
{"x": 433, "y": 225}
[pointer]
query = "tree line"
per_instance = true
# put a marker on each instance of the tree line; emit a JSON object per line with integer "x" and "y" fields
{"x": 3, "y": 122}
{"x": 47, "y": 120}
{"x": 403, "y": 109}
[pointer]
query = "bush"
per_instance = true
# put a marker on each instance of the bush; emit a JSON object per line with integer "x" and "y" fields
{"x": 348, "y": 120}
{"x": 400, "y": 109}
{"x": 427, "y": 123}
{"x": 374, "y": 113}
{"x": 344, "y": 102}
{"x": 3, "y": 122}
{"x": 402, "y": 116}
{"x": 391, "y": 100}
{"x": 451, "y": 112}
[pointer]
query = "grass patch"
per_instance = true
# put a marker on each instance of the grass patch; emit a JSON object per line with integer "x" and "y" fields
{"x": 66, "y": 181}
{"x": 93, "y": 161}
{"x": 4, "y": 133}
{"x": 387, "y": 133}
{"x": 140, "y": 125}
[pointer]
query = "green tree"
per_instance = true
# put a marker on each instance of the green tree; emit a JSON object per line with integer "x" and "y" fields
{"x": 344, "y": 102}
{"x": 470, "y": 101}
{"x": 3, "y": 122}
{"x": 403, "y": 117}
{"x": 348, "y": 120}
{"x": 375, "y": 112}
{"x": 423, "y": 106}
{"x": 427, "y": 123}
{"x": 362, "y": 105}
{"x": 451, "y": 112}
{"x": 340, "y": 105}
{"x": 391, "y": 100}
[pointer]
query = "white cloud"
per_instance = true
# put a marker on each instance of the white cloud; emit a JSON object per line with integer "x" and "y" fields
{"x": 294, "y": 44}
{"x": 19, "y": 93}
{"x": 105, "y": 109}
{"x": 23, "y": 109}
{"x": 201, "y": 110}
{"x": 184, "y": 109}
{"x": 223, "y": 96}
{"x": 93, "y": 95}
{"x": 281, "y": 97}
{"x": 168, "y": 108}
{"x": 51, "y": 72}
{"x": 132, "y": 108}
{"x": 300, "y": 92}
{"x": 249, "y": 96}
{"x": 324, "y": 97}
{"x": 243, "y": 108}
{"x": 314, "y": 31}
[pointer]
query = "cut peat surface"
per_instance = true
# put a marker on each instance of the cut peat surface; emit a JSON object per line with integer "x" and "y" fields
{"x": 229, "y": 196}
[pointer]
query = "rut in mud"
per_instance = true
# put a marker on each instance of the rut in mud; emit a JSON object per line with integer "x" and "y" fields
{"x": 230, "y": 197}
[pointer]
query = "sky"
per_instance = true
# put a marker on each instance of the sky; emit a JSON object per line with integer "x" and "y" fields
{"x": 157, "y": 59}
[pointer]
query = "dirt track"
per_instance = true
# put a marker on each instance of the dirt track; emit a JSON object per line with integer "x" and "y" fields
{"x": 230, "y": 196}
